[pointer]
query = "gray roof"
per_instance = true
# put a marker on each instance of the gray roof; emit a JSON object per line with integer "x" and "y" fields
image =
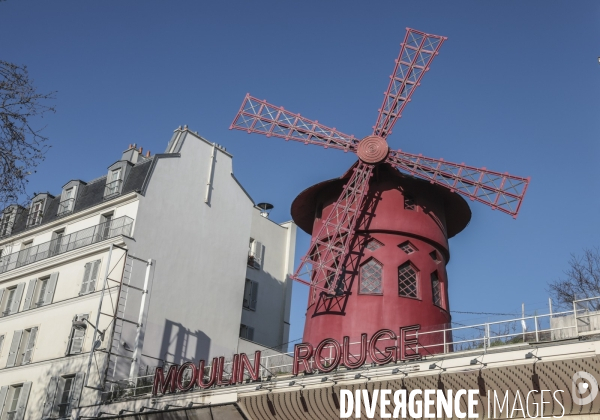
{"x": 89, "y": 195}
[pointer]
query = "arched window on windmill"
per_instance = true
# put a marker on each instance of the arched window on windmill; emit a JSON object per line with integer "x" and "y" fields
{"x": 371, "y": 278}
{"x": 408, "y": 277}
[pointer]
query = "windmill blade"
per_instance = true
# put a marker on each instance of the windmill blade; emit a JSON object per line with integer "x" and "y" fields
{"x": 259, "y": 116}
{"x": 500, "y": 191}
{"x": 323, "y": 267}
{"x": 417, "y": 52}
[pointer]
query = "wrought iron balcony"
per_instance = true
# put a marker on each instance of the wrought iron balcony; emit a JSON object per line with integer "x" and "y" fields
{"x": 65, "y": 243}
{"x": 113, "y": 188}
{"x": 66, "y": 206}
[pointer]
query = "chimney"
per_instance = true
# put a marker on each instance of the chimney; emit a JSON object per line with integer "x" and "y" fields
{"x": 131, "y": 154}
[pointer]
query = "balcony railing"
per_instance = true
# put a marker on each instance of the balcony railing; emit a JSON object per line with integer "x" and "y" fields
{"x": 66, "y": 206}
{"x": 113, "y": 188}
{"x": 62, "y": 244}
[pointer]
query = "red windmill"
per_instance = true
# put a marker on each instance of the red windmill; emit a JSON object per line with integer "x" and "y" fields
{"x": 380, "y": 237}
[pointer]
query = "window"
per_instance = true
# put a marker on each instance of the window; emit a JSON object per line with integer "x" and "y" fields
{"x": 40, "y": 291}
{"x": 21, "y": 347}
{"x": 246, "y": 332}
{"x": 8, "y": 303}
{"x": 371, "y": 276}
{"x": 90, "y": 275}
{"x": 6, "y": 224}
{"x": 76, "y": 337}
{"x": 374, "y": 244}
{"x": 407, "y": 247}
{"x": 23, "y": 257}
{"x": 409, "y": 203}
{"x": 10, "y": 299}
{"x": 435, "y": 257}
{"x": 35, "y": 213}
{"x": 113, "y": 183}
{"x": 56, "y": 243}
{"x": 255, "y": 254}
{"x": 104, "y": 231}
{"x": 436, "y": 289}
{"x": 250, "y": 294}
{"x": 13, "y": 401}
{"x": 407, "y": 280}
{"x": 62, "y": 396}
{"x": 67, "y": 203}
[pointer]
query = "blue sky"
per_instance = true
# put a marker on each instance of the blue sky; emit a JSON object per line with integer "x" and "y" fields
{"x": 515, "y": 88}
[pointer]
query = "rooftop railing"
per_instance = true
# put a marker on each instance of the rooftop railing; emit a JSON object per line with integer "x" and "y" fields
{"x": 65, "y": 243}
{"x": 583, "y": 320}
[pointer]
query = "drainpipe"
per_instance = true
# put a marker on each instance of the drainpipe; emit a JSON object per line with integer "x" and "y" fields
{"x": 211, "y": 172}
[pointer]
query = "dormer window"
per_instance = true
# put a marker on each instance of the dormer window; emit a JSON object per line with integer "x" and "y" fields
{"x": 35, "y": 213}
{"x": 67, "y": 203}
{"x": 8, "y": 220}
{"x": 113, "y": 184}
{"x": 68, "y": 197}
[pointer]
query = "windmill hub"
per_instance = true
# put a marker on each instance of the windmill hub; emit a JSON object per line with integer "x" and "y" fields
{"x": 372, "y": 149}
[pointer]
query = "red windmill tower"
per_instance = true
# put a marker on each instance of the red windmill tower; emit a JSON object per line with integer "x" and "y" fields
{"x": 380, "y": 233}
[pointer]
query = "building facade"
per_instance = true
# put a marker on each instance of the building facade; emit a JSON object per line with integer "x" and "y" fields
{"x": 163, "y": 260}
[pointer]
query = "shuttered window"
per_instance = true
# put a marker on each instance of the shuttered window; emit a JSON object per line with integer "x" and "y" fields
{"x": 13, "y": 400}
{"x": 250, "y": 294}
{"x": 77, "y": 336}
{"x": 28, "y": 345}
{"x": 62, "y": 395}
{"x": 40, "y": 291}
{"x": 10, "y": 299}
{"x": 90, "y": 276}
{"x": 22, "y": 347}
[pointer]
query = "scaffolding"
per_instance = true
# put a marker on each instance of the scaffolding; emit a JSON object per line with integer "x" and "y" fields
{"x": 121, "y": 318}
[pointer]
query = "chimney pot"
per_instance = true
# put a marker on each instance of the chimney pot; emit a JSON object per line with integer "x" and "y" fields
{"x": 148, "y": 153}
{"x": 141, "y": 150}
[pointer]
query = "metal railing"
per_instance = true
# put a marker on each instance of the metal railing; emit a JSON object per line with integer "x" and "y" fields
{"x": 113, "y": 188}
{"x": 65, "y": 243}
{"x": 66, "y": 206}
{"x": 584, "y": 319}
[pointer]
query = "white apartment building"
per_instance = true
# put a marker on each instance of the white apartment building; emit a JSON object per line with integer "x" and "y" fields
{"x": 164, "y": 259}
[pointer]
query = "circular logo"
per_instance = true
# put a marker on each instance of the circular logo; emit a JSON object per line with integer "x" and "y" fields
{"x": 584, "y": 388}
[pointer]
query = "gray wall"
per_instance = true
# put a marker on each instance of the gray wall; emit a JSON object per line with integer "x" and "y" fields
{"x": 200, "y": 251}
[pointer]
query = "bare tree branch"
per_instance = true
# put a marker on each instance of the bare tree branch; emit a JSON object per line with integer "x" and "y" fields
{"x": 582, "y": 279}
{"x": 22, "y": 146}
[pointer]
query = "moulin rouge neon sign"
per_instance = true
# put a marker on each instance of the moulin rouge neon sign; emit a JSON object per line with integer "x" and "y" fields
{"x": 327, "y": 356}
